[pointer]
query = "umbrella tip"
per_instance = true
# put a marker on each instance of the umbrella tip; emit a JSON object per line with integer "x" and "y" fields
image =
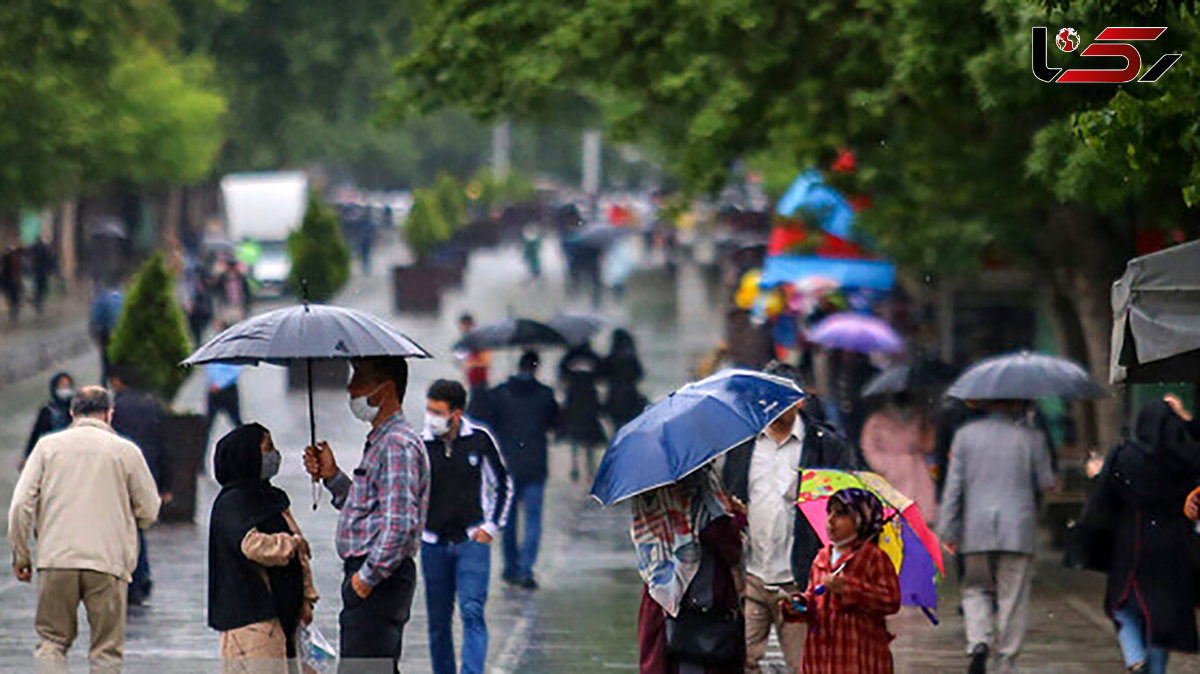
{"x": 304, "y": 292}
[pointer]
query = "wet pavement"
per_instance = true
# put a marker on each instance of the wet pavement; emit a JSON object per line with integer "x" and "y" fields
{"x": 583, "y": 619}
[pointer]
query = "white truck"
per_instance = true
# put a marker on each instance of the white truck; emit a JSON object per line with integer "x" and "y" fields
{"x": 265, "y": 208}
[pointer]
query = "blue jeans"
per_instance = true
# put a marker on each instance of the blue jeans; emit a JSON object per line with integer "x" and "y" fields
{"x": 1132, "y": 637}
{"x": 462, "y": 568}
{"x": 520, "y": 558}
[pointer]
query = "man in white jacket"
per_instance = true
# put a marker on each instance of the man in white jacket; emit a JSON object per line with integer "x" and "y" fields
{"x": 83, "y": 494}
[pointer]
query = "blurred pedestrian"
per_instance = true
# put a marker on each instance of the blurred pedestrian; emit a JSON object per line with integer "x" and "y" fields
{"x": 532, "y": 251}
{"x": 688, "y": 541}
{"x": 523, "y": 411}
{"x": 852, "y": 589}
{"x": 55, "y": 414}
{"x": 260, "y": 584}
{"x": 43, "y": 266}
{"x": 469, "y": 496}
{"x": 1151, "y": 587}
{"x": 475, "y": 365}
{"x": 894, "y": 442}
{"x": 764, "y": 473}
{"x": 622, "y": 369}
{"x": 223, "y": 393}
{"x": 383, "y": 515}
{"x": 106, "y": 311}
{"x": 578, "y": 373}
{"x": 12, "y": 281}
{"x": 84, "y": 494}
{"x": 952, "y": 414}
{"x": 140, "y": 417}
{"x": 999, "y": 469}
{"x": 851, "y": 372}
{"x": 199, "y": 302}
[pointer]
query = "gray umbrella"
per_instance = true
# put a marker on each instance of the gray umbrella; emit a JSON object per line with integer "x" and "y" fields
{"x": 512, "y": 332}
{"x": 1025, "y": 376}
{"x": 577, "y": 328}
{"x": 307, "y": 332}
{"x": 922, "y": 375}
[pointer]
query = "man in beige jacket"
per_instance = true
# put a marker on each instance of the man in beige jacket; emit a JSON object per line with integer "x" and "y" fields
{"x": 83, "y": 494}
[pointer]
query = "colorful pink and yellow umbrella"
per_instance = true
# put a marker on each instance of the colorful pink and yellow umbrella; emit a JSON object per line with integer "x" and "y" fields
{"x": 906, "y": 538}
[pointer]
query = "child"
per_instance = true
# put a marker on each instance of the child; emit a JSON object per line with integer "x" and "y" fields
{"x": 851, "y": 589}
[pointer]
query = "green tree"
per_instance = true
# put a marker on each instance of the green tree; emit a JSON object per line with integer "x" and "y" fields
{"x": 964, "y": 153}
{"x": 425, "y": 227}
{"x": 320, "y": 258}
{"x": 452, "y": 201}
{"x": 151, "y": 337}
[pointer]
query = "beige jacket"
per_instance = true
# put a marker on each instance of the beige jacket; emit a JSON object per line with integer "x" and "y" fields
{"x": 84, "y": 492}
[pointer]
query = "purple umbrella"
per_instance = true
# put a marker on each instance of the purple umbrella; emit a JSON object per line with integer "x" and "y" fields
{"x": 856, "y": 332}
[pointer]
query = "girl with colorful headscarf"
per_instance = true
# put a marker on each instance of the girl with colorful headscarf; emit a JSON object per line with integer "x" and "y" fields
{"x": 675, "y": 529}
{"x": 852, "y": 588}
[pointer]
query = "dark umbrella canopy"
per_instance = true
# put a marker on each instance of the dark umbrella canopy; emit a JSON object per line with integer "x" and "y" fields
{"x": 1025, "y": 376}
{"x": 598, "y": 236}
{"x": 921, "y": 375}
{"x": 513, "y": 332}
{"x": 312, "y": 331}
{"x": 577, "y": 328}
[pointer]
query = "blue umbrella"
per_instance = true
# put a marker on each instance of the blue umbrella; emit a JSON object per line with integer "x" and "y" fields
{"x": 690, "y": 428}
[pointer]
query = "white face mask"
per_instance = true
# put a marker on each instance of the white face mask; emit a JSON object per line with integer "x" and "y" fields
{"x": 64, "y": 393}
{"x": 363, "y": 410}
{"x": 437, "y": 425}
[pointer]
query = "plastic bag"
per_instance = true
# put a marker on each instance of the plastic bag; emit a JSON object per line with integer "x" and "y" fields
{"x": 315, "y": 652}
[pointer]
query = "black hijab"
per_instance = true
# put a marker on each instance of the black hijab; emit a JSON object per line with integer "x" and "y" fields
{"x": 237, "y": 596}
{"x": 1160, "y": 459}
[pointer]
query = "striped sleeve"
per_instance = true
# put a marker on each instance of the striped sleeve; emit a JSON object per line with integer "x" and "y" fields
{"x": 495, "y": 499}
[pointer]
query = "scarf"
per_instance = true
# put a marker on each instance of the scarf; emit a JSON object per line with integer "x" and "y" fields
{"x": 666, "y": 533}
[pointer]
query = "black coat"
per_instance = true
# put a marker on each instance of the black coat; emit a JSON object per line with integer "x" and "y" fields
{"x": 237, "y": 593}
{"x": 55, "y": 415}
{"x": 580, "y": 420}
{"x": 823, "y": 448}
{"x": 1139, "y": 497}
{"x": 521, "y": 412}
{"x": 625, "y": 401}
{"x": 140, "y": 418}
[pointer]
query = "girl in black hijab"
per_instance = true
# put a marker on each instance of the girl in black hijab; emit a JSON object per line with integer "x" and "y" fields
{"x": 260, "y": 587}
{"x": 1151, "y": 589}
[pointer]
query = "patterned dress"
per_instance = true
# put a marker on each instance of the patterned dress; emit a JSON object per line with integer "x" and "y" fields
{"x": 847, "y": 633}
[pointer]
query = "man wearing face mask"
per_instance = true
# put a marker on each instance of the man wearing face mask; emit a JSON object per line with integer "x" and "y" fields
{"x": 469, "y": 496}
{"x": 382, "y": 516}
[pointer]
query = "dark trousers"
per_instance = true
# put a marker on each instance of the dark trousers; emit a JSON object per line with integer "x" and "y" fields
{"x": 141, "y": 584}
{"x": 372, "y": 629}
{"x": 227, "y": 400}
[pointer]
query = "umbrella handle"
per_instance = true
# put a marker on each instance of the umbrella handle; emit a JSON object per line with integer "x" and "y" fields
{"x": 312, "y": 430}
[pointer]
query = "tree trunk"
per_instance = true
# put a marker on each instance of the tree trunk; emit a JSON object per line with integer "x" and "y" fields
{"x": 1069, "y": 331}
{"x": 171, "y": 216}
{"x": 67, "y": 243}
{"x": 1095, "y": 318}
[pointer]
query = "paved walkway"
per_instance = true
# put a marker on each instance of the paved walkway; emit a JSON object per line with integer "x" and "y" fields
{"x": 583, "y": 618}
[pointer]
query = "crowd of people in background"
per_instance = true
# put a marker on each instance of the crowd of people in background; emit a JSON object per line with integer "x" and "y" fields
{"x": 26, "y": 272}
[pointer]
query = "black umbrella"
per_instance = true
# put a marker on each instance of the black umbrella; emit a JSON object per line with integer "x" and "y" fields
{"x": 922, "y": 375}
{"x": 1025, "y": 376}
{"x": 513, "y": 332}
{"x": 577, "y": 328}
{"x": 307, "y": 332}
{"x": 598, "y": 236}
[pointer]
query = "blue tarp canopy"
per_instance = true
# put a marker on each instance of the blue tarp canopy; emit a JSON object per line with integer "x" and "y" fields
{"x": 867, "y": 274}
{"x": 810, "y": 192}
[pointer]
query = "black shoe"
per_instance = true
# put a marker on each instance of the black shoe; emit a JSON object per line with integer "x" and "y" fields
{"x": 528, "y": 583}
{"x": 979, "y": 658}
{"x": 511, "y": 580}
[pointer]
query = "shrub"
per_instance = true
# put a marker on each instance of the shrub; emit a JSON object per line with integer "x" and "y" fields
{"x": 452, "y": 201}
{"x": 426, "y": 227}
{"x": 319, "y": 255}
{"x": 151, "y": 337}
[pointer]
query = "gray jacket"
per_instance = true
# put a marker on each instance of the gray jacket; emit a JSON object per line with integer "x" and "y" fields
{"x": 998, "y": 470}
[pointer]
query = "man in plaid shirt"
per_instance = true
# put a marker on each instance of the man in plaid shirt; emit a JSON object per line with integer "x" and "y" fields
{"x": 382, "y": 516}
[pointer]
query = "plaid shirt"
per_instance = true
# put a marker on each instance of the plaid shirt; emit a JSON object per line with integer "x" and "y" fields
{"x": 383, "y": 506}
